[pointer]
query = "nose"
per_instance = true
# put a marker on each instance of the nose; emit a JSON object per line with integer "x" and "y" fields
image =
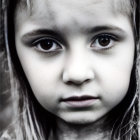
{"x": 77, "y": 70}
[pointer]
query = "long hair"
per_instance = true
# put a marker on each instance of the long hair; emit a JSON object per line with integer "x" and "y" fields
{"x": 32, "y": 121}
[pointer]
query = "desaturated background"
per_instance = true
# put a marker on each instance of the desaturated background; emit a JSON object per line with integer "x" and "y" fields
{"x": 5, "y": 99}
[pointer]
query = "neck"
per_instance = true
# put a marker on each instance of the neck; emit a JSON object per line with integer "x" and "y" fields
{"x": 67, "y": 131}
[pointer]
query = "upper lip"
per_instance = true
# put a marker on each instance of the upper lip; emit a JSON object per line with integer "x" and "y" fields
{"x": 78, "y": 98}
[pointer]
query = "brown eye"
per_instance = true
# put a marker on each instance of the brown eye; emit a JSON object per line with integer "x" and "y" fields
{"x": 47, "y": 45}
{"x": 104, "y": 41}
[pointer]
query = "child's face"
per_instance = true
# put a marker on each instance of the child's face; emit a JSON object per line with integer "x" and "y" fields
{"x": 73, "y": 48}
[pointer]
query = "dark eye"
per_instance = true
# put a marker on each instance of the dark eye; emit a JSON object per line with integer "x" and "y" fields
{"x": 47, "y": 45}
{"x": 103, "y": 42}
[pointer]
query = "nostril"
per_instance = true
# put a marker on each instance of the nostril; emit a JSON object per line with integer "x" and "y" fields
{"x": 77, "y": 78}
{"x": 71, "y": 83}
{"x": 87, "y": 80}
{"x": 77, "y": 83}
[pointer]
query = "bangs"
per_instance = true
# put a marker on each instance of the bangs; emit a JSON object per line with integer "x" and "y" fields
{"x": 125, "y": 7}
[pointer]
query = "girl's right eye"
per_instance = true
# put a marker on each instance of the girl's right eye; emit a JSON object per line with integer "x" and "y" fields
{"x": 47, "y": 45}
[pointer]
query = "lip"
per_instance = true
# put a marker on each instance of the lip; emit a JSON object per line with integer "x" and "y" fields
{"x": 80, "y": 101}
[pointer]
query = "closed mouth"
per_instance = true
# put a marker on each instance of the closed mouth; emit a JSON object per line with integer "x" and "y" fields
{"x": 79, "y": 101}
{"x": 78, "y": 98}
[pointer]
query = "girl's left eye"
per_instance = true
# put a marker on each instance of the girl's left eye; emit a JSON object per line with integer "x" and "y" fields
{"x": 103, "y": 42}
{"x": 47, "y": 45}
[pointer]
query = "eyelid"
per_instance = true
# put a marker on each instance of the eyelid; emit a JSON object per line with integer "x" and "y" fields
{"x": 33, "y": 41}
{"x": 52, "y": 50}
{"x": 29, "y": 37}
{"x": 97, "y": 47}
{"x": 37, "y": 41}
{"x": 112, "y": 36}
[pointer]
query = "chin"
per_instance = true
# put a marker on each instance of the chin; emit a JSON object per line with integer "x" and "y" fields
{"x": 79, "y": 119}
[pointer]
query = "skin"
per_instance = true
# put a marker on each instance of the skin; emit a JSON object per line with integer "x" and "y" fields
{"x": 77, "y": 64}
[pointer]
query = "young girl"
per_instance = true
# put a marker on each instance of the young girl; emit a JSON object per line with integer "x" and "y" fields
{"x": 73, "y": 69}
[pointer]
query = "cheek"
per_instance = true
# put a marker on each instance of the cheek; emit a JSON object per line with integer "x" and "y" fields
{"x": 115, "y": 81}
{"x": 115, "y": 86}
{"x": 43, "y": 84}
{"x": 42, "y": 75}
{"x": 43, "y": 79}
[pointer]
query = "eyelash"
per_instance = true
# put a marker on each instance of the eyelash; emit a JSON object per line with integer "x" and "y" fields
{"x": 47, "y": 49}
{"x": 57, "y": 47}
{"x": 95, "y": 41}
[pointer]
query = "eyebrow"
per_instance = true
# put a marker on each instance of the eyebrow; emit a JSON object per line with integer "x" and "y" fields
{"x": 104, "y": 28}
{"x": 60, "y": 35}
{"x": 41, "y": 32}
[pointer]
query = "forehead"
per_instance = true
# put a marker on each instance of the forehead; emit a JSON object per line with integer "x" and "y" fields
{"x": 123, "y": 6}
{"x": 63, "y": 12}
{"x": 70, "y": 10}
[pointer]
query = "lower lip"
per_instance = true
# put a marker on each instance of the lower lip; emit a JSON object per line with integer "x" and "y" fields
{"x": 81, "y": 103}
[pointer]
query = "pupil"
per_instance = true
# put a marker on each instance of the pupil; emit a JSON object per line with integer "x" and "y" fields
{"x": 104, "y": 41}
{"x": 46, "y": 44}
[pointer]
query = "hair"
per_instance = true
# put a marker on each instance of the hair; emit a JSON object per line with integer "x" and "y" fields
{"x": 33, "y": 122}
